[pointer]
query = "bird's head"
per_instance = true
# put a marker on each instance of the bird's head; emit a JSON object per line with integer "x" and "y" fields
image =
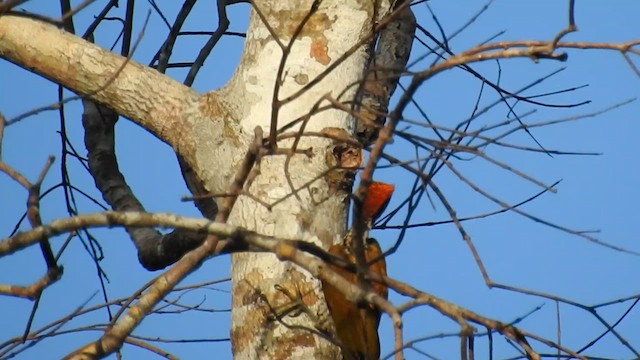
{"x": 376, "y": 201}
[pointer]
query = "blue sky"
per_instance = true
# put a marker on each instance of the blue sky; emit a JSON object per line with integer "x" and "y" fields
{"x": 596, "y": 192}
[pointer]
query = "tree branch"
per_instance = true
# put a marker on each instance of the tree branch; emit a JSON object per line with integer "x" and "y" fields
{"x": 124, "y": 85}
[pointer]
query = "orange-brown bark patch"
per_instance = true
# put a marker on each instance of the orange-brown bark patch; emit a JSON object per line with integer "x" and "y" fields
{"x": 288, "y": 346}
{"x": 314, "y": 29}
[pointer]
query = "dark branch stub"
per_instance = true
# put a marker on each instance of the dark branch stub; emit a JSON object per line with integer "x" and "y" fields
{"x": 155, "y": 250}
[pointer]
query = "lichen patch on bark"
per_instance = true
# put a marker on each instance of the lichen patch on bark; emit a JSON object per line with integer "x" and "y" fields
{"x": 246, "y": 292}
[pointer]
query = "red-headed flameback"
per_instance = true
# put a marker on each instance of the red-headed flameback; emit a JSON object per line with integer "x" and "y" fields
{"x": 357, "y": 327}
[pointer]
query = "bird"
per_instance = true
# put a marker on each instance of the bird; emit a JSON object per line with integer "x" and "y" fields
{"x": 356, "y": 326}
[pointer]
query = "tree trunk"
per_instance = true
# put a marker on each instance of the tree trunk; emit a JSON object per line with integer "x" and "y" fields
{"x": 326, "y": 59}
{"x": 317, "y": 212}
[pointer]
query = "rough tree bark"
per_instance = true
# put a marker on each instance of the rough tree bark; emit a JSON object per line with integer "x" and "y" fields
{"x": 211, "y": 132}
{"x": 317, "y": 213}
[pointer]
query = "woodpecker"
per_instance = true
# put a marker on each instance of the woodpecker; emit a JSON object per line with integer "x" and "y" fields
{"x": 357, "y": 327}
